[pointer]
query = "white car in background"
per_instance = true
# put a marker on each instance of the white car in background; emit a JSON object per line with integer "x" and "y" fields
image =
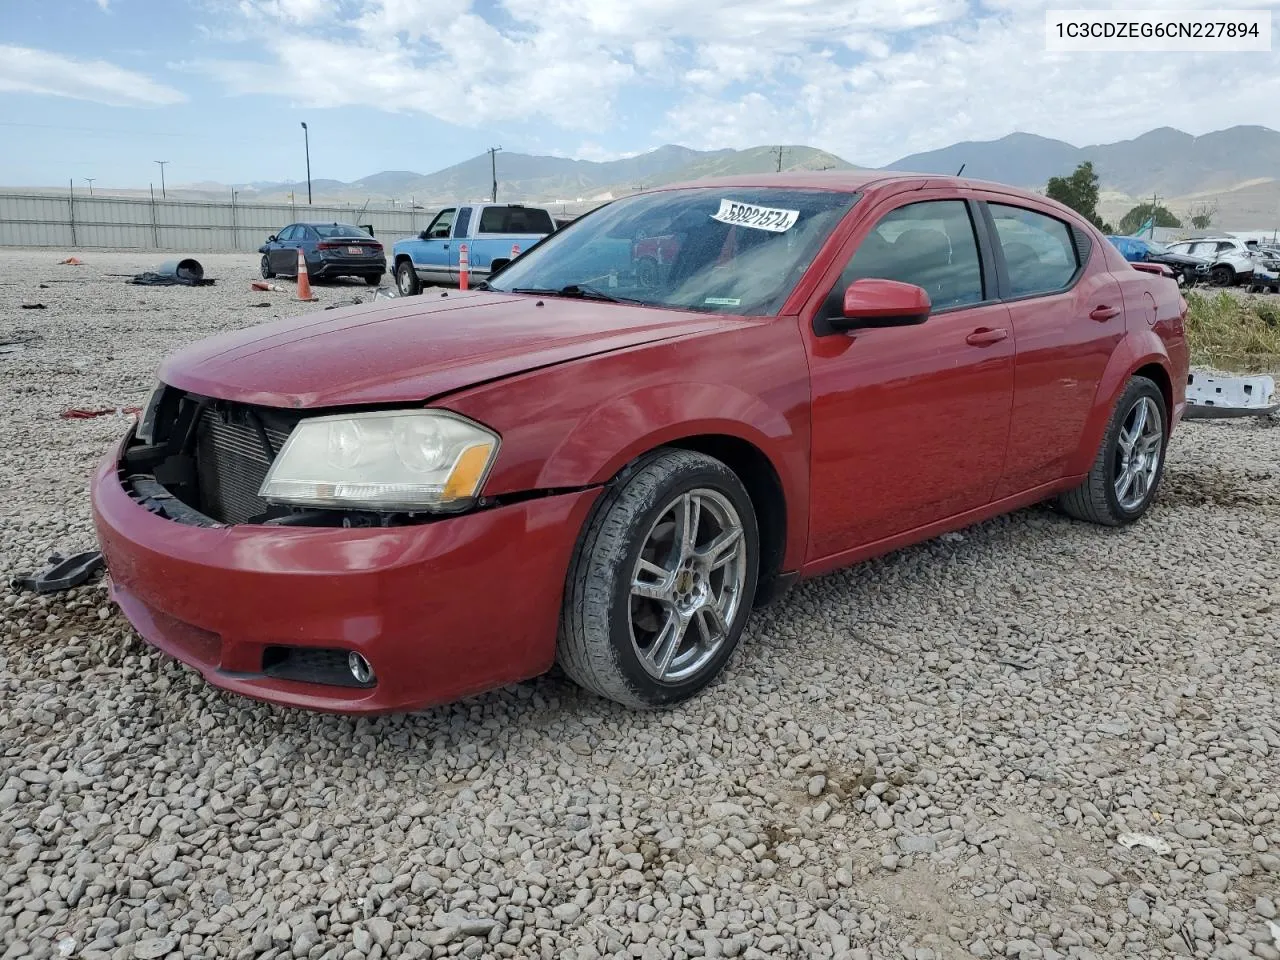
{"x": 1231, "y": 262}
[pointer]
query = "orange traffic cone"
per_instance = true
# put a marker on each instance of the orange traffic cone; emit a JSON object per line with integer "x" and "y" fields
{"x": 304, "y": 281}
{"x": 464, "y": 267}
{"x": 515, "y": 250}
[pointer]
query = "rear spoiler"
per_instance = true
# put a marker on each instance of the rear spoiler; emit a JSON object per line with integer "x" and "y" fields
{"x": 1157, "y": 268}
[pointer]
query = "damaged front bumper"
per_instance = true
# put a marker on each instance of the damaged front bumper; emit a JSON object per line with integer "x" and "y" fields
{"x": 438, "y": 611}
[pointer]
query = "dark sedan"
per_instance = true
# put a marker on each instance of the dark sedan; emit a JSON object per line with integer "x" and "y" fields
{"x": 331, "y": 250}
{"x": 1187, "y": 269}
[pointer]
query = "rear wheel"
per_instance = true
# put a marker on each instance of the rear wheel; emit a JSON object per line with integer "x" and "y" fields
{"x": 661, "y": 585}
{"x": 373, "y": 279}
{"x": 407, "y": 279}
{"x": 265, "y": 267}
{"x": 1130, "y": 463}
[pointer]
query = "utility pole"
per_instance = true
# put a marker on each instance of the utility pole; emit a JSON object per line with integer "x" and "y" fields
{"x": 306, "y": 139}
{"x": 89, "y": 180}
{"x": 779, "y": 151}
{"x": 493, "y": 168}
{"x": 1154, "y": 201}
{"x": 163, "y": 195}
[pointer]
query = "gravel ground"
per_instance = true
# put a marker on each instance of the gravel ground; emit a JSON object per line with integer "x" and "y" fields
{"x": 937, "y": 754}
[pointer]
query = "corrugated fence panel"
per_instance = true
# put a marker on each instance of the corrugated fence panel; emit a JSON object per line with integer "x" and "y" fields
{"x": 50, "y": 220}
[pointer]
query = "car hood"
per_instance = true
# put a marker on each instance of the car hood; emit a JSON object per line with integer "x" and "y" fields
{"x": 415, "y": 348}
{"x": 1181, "y": 259}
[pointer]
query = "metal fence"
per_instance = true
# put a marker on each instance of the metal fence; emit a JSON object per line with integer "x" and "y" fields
{"x": 44, "y": 220}
{"x": 63, "y": 221}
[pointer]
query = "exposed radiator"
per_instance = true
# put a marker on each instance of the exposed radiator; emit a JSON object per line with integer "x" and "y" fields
{"x": 232, "y": 463}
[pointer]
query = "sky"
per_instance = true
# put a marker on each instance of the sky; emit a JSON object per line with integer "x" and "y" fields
{"x": 219, "y": 88}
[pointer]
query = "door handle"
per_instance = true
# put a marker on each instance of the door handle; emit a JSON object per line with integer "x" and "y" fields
{"x": 1103, "y": 313}
{"x": 446, "y": 246}
{"x": 985, "y": 336}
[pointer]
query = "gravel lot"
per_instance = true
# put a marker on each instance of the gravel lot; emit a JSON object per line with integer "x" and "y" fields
{"x": 932, "y": 755}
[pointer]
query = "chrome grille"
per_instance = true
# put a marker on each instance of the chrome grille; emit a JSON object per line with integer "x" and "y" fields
{"x": 232, "y": 463}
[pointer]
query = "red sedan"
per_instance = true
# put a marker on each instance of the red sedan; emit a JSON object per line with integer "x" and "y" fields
{"x": 398, "y": 504}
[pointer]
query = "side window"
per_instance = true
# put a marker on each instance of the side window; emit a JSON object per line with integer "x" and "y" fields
{"x": 286, "y": 233}
{"x": 515, "y": 220}
{"x": 930, "y": 244}
{"x": 1037, "y": 250}
{"x": 1206, "y": 250}
{"x": 303, "y": 232}
{"x": 1228, "y": 247}
{"x": 464, "y": 220}
{"x": 439, "y": 228}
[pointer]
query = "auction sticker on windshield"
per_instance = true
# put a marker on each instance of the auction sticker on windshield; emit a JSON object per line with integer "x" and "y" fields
{"x": 758, "y": 218}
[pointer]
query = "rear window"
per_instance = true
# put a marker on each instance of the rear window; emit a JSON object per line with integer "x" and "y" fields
{"x": 515, "y": 220}
{"x": 338, "y": 230}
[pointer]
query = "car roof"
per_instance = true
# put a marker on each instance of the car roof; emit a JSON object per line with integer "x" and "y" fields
{"x": 323, "y": 223}
{"x": 849, "y": 180}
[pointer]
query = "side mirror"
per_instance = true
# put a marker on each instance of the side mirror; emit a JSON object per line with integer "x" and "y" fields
{"x": 271, "y": 239}
{"x": 882, "y": 303}
{"x": 423, "y": 235}
{"x": 497, "y": 264}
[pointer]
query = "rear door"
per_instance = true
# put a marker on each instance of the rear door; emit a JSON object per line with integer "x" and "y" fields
{"x": 500, "y": 229}
{"x": 1068, "y": 317}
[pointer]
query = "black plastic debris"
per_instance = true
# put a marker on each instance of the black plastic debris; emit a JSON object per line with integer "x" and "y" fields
{"x": 186, "y": 272}
{"x": 33, "y": 306}
{"x": 61, "y": 574}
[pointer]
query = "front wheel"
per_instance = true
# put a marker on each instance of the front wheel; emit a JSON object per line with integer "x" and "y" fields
{"x": 661, "y": 584}
{"x": 265, "y": 267}
{"x": 1222, "y": 276}
{"x": 407, "y": 279}
{"x": 1130, "y": 463}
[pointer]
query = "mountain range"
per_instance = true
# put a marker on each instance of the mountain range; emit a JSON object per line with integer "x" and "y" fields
{"x": 1237, "y": 170}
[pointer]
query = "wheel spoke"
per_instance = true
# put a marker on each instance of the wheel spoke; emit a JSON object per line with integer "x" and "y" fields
{"x": 666, "y": 643}
{"x": 688, "y": 514}
{"x": 714, "y": 622}
{"x": 650, "y": 591}
{"x": 721, "y": 550}
{"x": 1124, "y": 482}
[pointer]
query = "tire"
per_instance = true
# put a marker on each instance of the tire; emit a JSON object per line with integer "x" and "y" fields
{"x": 1103, "y": 498}
{"x": 666, "y": 643}
{"x": 265, "y": 267}
{"x": 407, "y": 284}
{"x": 373, "y": 279}
{"x": 1222, "y": 276}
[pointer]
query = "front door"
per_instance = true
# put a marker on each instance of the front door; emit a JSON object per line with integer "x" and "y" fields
{"x": 910, "y": 423}
{"x": 431, "y": 254}
{"x": 284, "y": 256}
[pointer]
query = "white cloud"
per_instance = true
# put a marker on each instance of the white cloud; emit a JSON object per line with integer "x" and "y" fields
{"x": 27, "y": 70}
{"x": 103, "y": 4}
{"x": 870, "y": 80}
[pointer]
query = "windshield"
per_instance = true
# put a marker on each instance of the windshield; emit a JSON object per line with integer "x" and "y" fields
{"x": 1157, "y": 247}
{"x": 733, "y": 250}
{"x": 338, "y": 230}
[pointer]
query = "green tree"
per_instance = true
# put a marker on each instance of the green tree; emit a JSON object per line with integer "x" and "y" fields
{"x": 1079, "y": 192}
{"x": 1139, "y": 215}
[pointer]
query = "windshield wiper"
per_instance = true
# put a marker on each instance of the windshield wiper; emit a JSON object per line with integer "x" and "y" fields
{"x": 574, "y": 290}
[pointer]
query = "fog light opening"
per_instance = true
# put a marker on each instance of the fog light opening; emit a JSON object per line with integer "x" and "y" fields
{"x": 359, "y": 667}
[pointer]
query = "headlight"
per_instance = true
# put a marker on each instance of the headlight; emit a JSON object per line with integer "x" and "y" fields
{"x": 410, "y": 460}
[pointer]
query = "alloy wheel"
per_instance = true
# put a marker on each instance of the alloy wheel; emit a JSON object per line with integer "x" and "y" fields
{"x": 687, "y": 585}
{"x": 1139, "y": 447}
